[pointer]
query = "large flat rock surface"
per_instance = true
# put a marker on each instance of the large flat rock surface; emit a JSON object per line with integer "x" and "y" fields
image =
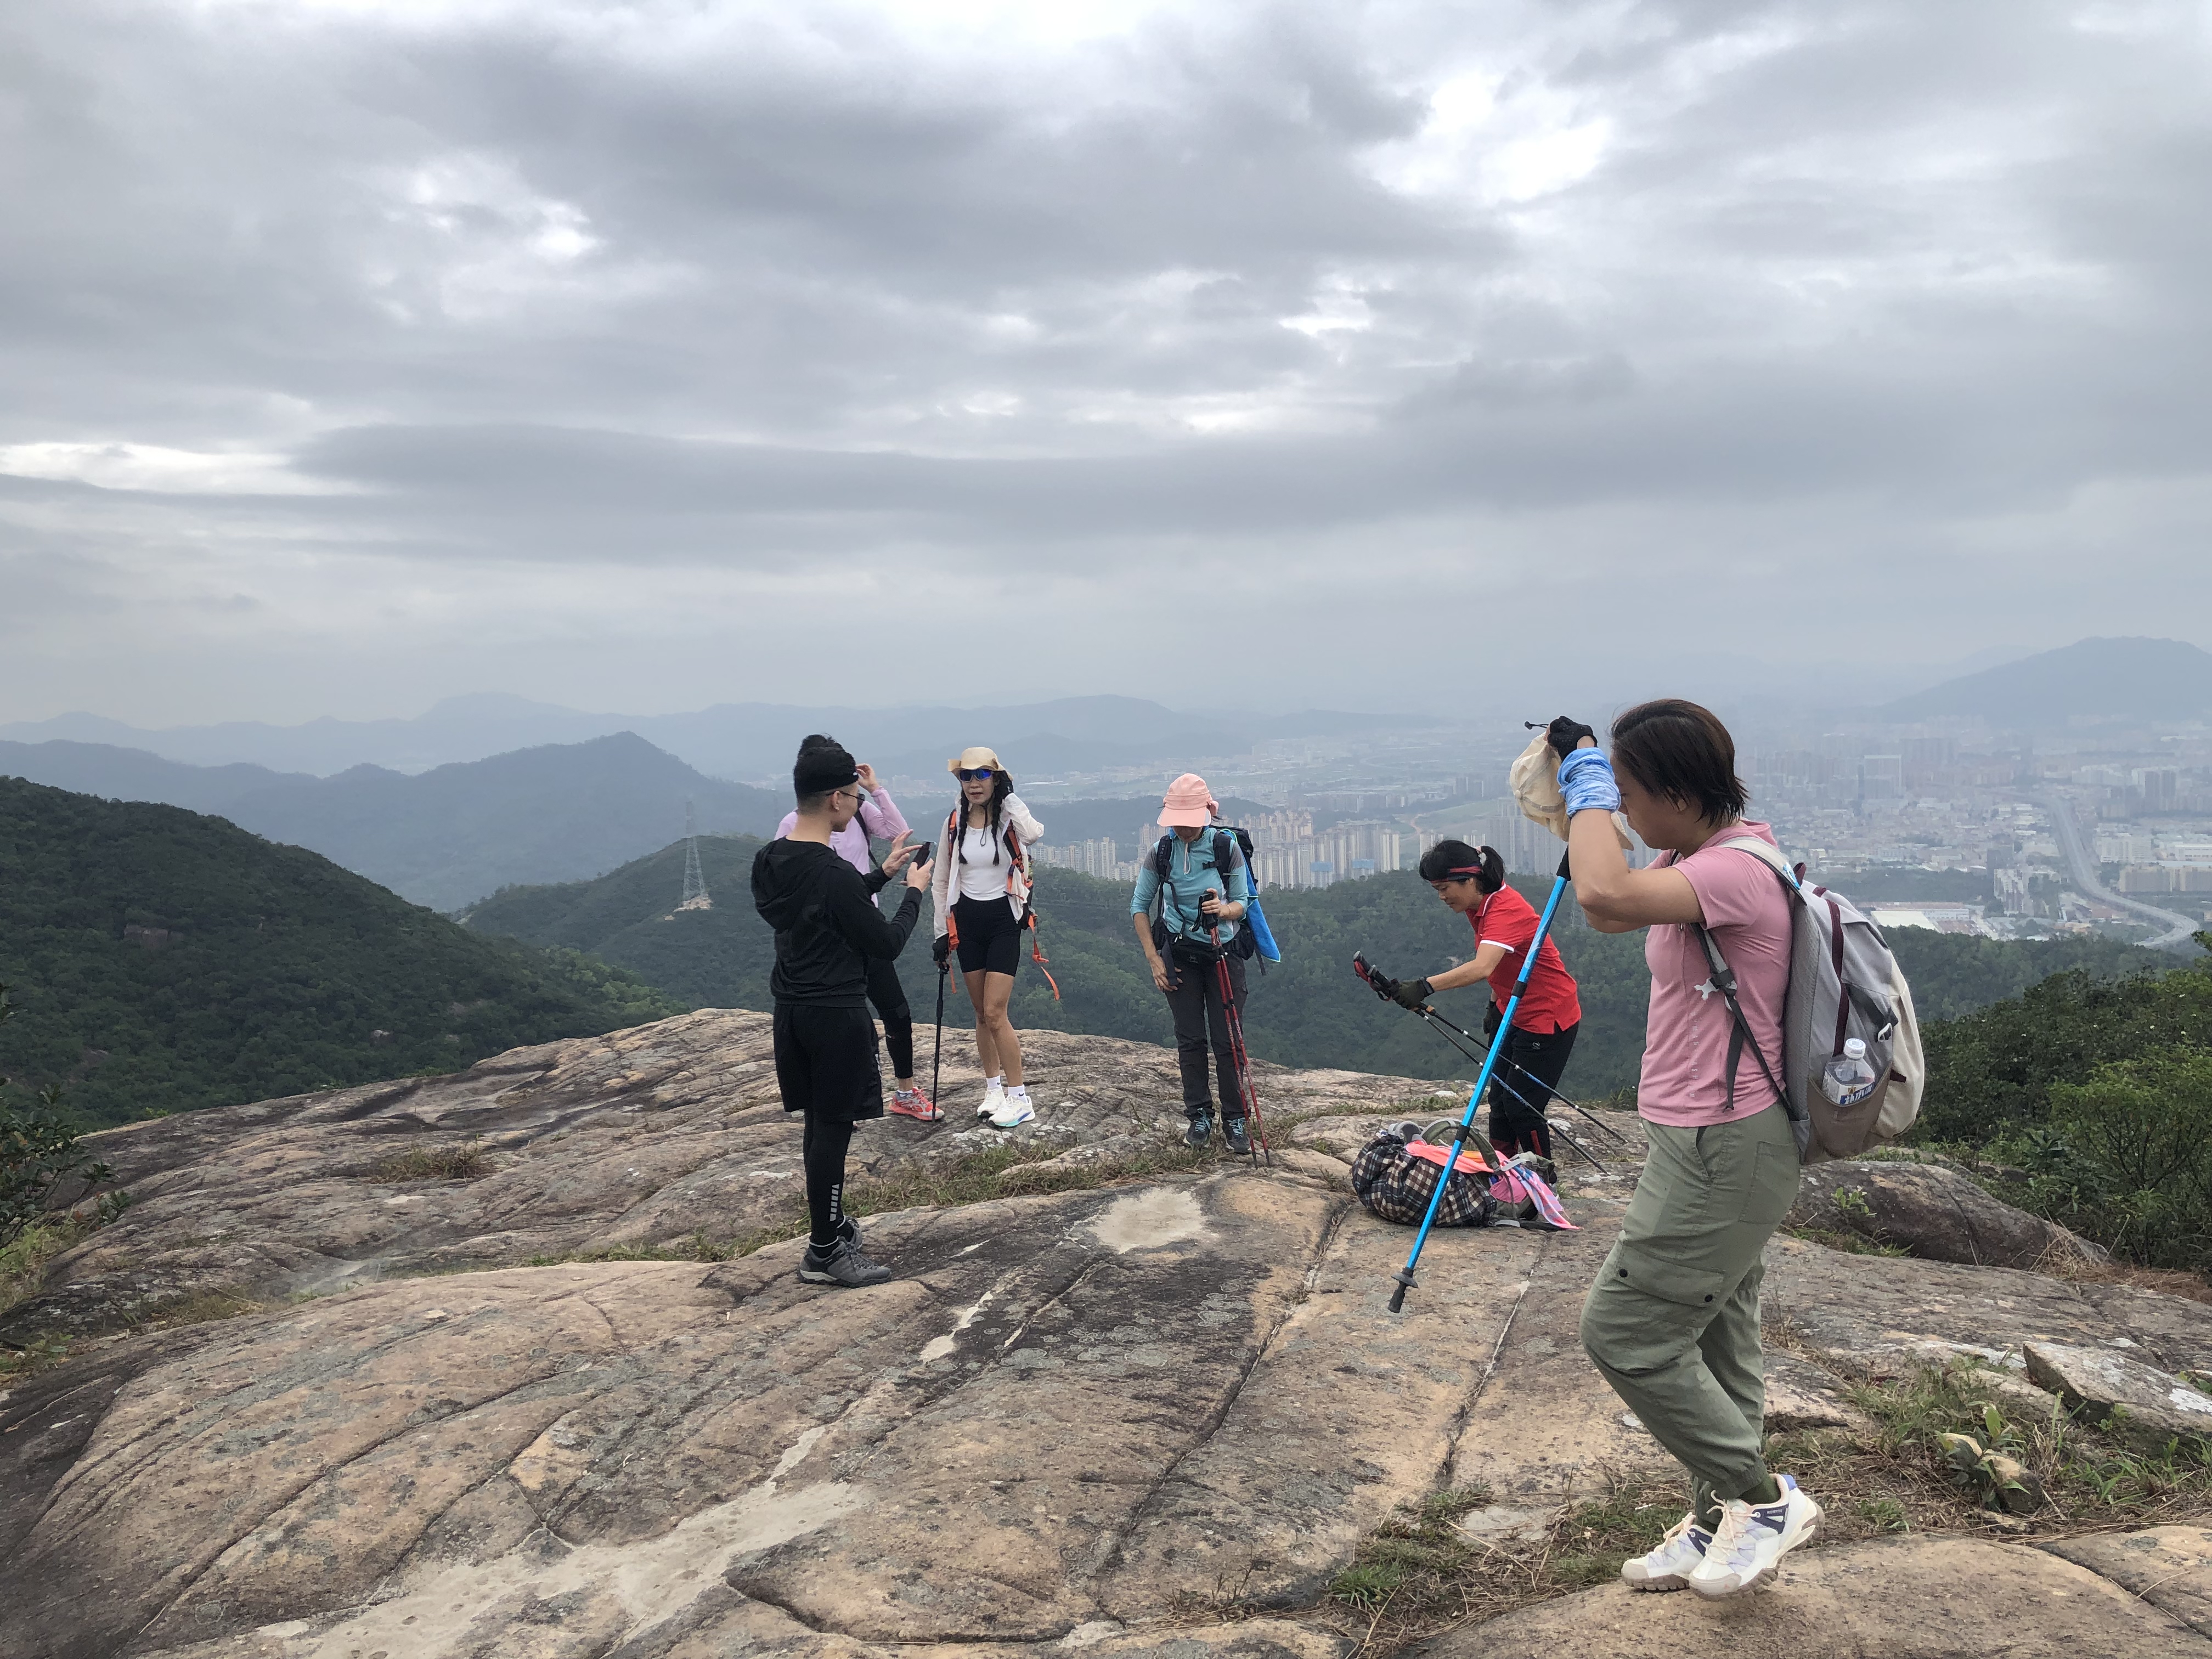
{"x": 644, "y": 1137}
{"x": 1112, "y": 1421}
{"x": 1075, "y": 1410}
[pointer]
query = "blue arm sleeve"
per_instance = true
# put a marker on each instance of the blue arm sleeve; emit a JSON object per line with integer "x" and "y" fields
{"x": 1240, "y": 881}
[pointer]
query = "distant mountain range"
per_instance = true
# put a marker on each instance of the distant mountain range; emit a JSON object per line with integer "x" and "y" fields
{"x": 743, "y": 740}
{"x": 161, "y": 960}
{"x": 2096, "y": 679}
{"x": 557, "y": 813}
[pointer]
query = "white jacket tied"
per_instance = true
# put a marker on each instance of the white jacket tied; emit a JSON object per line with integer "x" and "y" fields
{"x": 1018, "y": 826}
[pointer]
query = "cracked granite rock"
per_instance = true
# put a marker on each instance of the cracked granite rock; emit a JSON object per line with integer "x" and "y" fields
{"x": 641, "y": 1137}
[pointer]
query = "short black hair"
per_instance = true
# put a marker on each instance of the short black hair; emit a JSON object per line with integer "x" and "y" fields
{"x": 824, "y": 767}
{"x": 1455, "y": 860}
{"x": 1681, "y": 751}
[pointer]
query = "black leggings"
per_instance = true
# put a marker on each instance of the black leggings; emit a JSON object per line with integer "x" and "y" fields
{"x": 890, "y": 998}
{"x": 1517, "y": 1120}
{"x": 827, "y": 1139}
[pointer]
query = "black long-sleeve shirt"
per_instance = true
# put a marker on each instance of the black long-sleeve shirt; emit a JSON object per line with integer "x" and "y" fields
{"x": 826, "y": 923}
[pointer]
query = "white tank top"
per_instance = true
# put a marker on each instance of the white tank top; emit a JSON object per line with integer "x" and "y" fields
{"x": 980, "y": 878}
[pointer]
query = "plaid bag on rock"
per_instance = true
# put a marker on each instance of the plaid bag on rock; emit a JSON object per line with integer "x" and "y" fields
{"x": 1396, "y": 1184}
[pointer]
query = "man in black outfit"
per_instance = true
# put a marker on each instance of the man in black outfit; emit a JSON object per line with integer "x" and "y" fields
{"x": 827, "y": 928}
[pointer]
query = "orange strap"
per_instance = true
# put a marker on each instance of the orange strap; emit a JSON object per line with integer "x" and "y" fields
{"x": 1036, "y": 952}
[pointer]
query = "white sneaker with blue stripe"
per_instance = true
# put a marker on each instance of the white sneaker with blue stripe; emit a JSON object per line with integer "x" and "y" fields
{"x": 1752, "y": 1541}
{"x": 1669, "y": 1566}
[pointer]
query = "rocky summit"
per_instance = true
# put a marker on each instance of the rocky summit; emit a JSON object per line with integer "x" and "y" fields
{"x": 1154, "y": 1414}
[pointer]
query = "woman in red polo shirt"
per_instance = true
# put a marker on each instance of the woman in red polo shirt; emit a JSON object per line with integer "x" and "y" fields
{"x": 1472, "y": 881}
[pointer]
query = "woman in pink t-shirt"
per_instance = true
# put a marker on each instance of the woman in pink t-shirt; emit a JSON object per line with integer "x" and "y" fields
{"x": 1673, "y": 1318}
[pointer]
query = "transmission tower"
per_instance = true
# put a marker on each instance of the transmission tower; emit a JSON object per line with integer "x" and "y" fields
{"x": 695, "y": 879}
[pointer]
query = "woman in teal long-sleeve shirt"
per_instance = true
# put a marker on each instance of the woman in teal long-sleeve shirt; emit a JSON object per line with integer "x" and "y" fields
{"x": 1201, "y": 885}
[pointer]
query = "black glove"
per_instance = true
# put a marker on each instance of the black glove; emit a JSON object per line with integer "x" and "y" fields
{"x": 1411, "y": 993}
{"x": 1565, "y": 736}
{"x": 940, "y": 951}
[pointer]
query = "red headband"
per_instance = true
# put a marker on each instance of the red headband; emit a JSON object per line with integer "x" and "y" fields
{"x": 1474, "y": 869}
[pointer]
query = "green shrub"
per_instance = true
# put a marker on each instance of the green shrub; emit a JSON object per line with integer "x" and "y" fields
{"x": 39, "y": 1152}
{"x": 1990, "y": 1072}
{"x": 2126, "y": 1157}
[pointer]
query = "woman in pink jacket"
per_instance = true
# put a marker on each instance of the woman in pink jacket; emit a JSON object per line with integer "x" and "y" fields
{"x": 880, "y": 819}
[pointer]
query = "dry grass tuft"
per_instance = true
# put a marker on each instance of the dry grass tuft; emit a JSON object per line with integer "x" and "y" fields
{"x": 463, "y": 1160}
{"x": 2076, "y": 1269}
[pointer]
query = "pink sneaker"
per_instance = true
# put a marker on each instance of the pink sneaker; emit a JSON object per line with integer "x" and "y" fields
{"x": 912, "y": 1103}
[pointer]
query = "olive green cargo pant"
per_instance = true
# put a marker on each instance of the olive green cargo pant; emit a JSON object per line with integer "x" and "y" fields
{"x": 1672, "y": 1319}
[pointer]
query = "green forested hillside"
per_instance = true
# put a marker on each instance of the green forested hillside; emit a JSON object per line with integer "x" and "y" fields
{"x": 711, "y": 958}
{"x": 1307, "y": 1010}
{"x": 161, "y": 960}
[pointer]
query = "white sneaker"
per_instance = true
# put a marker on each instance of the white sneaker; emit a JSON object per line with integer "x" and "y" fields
{"x": 1669, "y": 1566}
{"x": 994, "y": 1097}
{"x": 1014, "y": 1110}
{"x": 1752, "y": 1541}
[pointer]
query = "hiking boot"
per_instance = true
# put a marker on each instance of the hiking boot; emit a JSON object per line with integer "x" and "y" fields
{"x": 994, "y": 1097}
{"x": 1234, "y": 1133}
{"x": 841, "y": 1264}
{"x": 1752, "y": 1541}
{"x": 1014, "y": 1109}
{"x": 1669, "y": 1566}
{"x": 1200, "y": 1131}
{"x": 913, "y": 1103}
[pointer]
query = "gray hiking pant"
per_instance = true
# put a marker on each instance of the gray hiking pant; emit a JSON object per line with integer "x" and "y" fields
{"x": 1194, "y": 1000}
{"x": 1672, "y": 1320}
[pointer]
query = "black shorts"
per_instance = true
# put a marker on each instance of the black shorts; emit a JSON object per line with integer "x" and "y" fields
{"x": 825, "y": 1061}
{"x": 990, "y": 938}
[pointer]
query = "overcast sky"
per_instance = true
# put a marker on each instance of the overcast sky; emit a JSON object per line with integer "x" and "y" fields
{"x": 643, "y": 356}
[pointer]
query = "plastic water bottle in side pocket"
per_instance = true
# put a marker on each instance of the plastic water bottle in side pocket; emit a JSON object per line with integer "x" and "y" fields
{"x": 1847, "y": 1079}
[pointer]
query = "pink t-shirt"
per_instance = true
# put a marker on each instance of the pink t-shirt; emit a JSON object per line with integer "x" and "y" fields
{"x": 1685, "y": 1081}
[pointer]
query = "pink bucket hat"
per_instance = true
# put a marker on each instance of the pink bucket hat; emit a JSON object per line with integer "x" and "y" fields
{"x": 1188, "y": 803}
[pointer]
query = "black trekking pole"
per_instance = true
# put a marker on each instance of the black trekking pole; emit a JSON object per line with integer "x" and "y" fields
{"x": 937, "y": 1055}
{"x": 1404, "y": 1277}
{"x": 1559, "y": 1129}
{"x": 1386, "y": 987}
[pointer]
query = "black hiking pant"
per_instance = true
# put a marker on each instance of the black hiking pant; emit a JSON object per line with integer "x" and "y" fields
{"x": 890, "y": 998}
{"x": 1194, "y": 1000}
{"x": 1517, "y": 1118}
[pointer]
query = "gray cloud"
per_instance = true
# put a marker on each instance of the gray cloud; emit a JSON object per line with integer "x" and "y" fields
{"x": 324, "y": 327}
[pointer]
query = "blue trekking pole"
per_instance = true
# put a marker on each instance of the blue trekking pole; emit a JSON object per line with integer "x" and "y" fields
{"x": 1405, "y": 1276}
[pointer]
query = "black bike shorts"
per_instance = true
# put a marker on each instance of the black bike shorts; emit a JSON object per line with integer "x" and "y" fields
{"x": 825, "y": 1061}
{"x": 990, "y": 938}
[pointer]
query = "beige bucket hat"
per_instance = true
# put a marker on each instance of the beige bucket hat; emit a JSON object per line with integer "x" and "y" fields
{"x": 971, "y": 758}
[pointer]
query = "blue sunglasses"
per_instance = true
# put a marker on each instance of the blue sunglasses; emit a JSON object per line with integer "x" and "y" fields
{"x": 980, "y": 774}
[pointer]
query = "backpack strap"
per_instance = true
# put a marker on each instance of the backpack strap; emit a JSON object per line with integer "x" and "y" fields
{"x": 1724, "y": 977}
{"x": 1723, "y": 981}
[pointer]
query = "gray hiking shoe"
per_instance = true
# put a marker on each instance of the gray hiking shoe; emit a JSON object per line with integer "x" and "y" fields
{"x": 1234, "y": 1132}
{"x": 1201, "y": 1130}
{"x": 841, "y": 1264}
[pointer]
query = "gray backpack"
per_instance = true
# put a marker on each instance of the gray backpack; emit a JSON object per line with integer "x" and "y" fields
{"x": 1844, "y": 982}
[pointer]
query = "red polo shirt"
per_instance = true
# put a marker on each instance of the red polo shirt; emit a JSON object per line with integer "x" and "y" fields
{"x": 1550, "y": 1003}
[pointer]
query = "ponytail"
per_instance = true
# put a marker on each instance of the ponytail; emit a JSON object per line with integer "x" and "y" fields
{"x": 1455, "y": 860}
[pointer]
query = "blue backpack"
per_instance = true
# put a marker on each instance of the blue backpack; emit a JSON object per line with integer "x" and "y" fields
{"x": 1255, "y": 938}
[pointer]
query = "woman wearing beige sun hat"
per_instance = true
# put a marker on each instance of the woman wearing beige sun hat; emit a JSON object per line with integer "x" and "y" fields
{"x": 983, "y": 893}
